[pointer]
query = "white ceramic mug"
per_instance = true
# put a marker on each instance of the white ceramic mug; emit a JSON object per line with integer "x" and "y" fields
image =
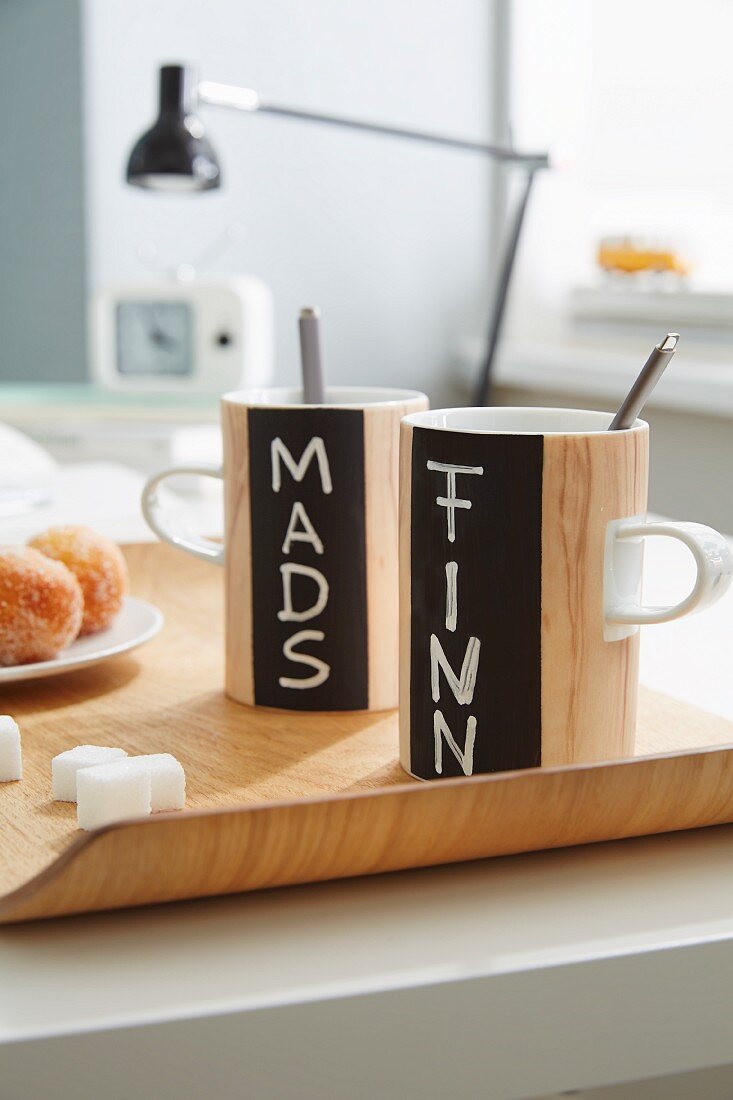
{"x": 310, "y": 550}
{"x": 521, "y": 543}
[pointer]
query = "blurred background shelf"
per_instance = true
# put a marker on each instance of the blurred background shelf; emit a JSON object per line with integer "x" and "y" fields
{"x": 87, "y": 423}
{"x": 38, "y": 400}
{"x": 618, "y": 305}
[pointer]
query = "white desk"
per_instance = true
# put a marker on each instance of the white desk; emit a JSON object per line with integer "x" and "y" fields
{"x": 507, "y": 978}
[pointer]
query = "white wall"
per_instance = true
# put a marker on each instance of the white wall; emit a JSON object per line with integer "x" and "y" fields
{"x": 391, "y": 240}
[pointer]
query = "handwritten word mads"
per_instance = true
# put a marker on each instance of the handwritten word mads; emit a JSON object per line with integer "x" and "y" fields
{"x": 300, "y": 530}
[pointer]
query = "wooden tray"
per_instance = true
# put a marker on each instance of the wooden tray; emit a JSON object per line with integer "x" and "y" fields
{"x": 277, "y": 798}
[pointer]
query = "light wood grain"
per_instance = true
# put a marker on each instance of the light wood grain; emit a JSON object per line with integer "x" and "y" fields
{"x": 381, "y": 492}
{"x": 589, "y": 685}
{"x": 239, "y": 676}
{"x": 276, "y": 797}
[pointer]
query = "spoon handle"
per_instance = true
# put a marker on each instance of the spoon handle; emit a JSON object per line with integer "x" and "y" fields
{"x": 648, "y": 377}
{"x": 310, "y": 355}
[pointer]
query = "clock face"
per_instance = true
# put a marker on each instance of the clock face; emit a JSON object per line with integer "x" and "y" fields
{"x": 154, "y": 338}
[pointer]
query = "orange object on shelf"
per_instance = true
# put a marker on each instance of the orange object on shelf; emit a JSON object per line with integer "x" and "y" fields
{"x": 629, "y": 257}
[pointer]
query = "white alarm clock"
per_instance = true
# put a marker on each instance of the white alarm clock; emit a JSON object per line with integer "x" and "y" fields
{"x": 205, "y": 336}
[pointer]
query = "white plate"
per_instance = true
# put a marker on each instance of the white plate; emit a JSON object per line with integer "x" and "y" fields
{"x": 137, "y": 623}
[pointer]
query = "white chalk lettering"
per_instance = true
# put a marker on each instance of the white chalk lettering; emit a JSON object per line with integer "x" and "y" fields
{"x": 316, "y": 448}
{"x": 323, "y": 671}
{"x": 305, "y": 533}
{"x": 462, "y": 689}
{"x": 288, "y": 614}
{"x": 451, "y": 595}
{"x": 450, "y": 501}
{"x": 441, "y": 730}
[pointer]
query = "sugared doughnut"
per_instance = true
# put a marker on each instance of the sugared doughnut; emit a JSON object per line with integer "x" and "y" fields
{"x": 97, "y": 564}
{"x": 41, "y": 607}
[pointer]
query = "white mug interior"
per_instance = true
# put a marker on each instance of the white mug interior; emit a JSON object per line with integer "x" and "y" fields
{"x": 340, "y": 397}
{"x": 518, "y": 420}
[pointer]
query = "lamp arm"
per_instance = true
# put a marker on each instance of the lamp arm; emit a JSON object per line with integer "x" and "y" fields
{"x": 245, "y": 99}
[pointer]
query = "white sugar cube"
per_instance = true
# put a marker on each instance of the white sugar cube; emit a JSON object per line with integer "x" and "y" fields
{"x": 167, "y": 777}
{"x": 66, "y": 766}
{"x": 11, "y": 759}
{"x": 111, "y": 792}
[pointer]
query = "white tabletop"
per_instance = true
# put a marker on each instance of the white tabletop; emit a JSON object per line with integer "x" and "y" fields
{"x": 537, "y": 973}
{"x": 505, "y": 978}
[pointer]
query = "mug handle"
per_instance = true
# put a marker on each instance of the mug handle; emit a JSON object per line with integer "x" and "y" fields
{"x": 623, "y": 567}
{"x": 197, "y": 545}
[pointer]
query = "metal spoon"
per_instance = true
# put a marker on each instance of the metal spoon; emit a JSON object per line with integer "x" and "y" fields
{"x": 310, "y": 356}
{"x": 649, "y": 375}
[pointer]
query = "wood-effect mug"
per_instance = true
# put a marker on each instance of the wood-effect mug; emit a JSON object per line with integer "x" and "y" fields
{"x": 310, "y": 549}
{"x": 521, "y": 547}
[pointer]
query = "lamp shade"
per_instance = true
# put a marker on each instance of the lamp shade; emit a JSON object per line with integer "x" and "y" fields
{"x": 174, "y": 154}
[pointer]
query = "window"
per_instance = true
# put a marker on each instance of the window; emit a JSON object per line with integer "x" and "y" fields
{"x": 637, "y": 99}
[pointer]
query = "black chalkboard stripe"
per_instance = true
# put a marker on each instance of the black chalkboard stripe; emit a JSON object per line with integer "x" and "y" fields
{"x": 476, "y": 590}
{"x": 309, "y": 620}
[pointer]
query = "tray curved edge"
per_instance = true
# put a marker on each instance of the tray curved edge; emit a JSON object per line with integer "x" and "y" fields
{"x": 206, "y": 852}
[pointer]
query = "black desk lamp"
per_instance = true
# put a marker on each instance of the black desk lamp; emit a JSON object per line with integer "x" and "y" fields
{"x": 175, "y": 155}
